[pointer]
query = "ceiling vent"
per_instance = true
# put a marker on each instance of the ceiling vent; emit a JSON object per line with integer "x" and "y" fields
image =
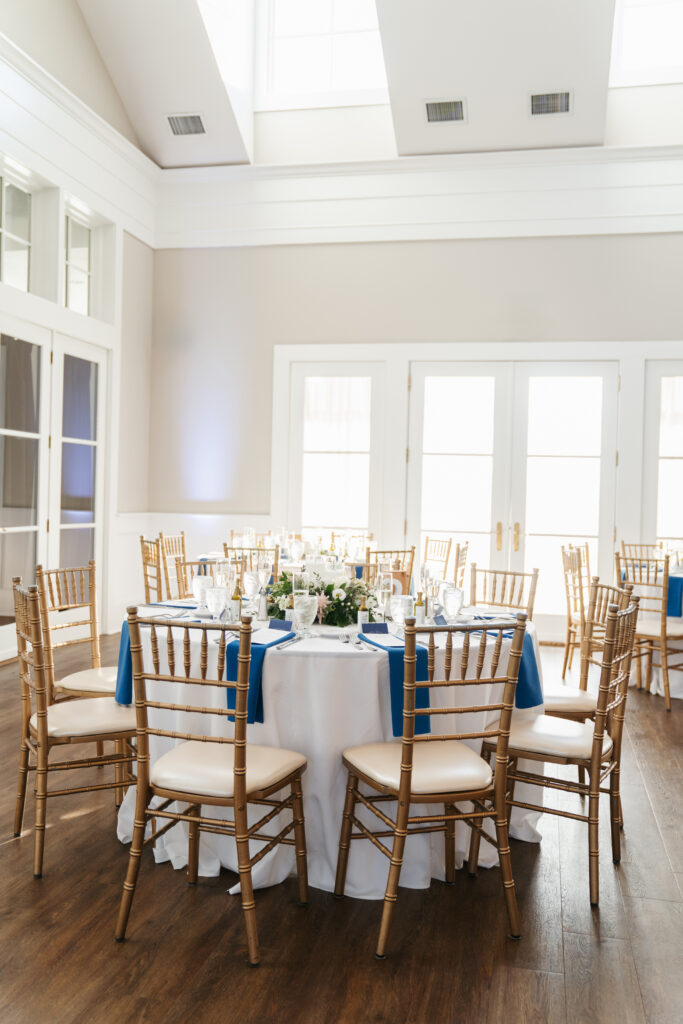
{"x": 446, "y": 110}
{"x": 550, "y": 103}
{"x": 186, "y": 124}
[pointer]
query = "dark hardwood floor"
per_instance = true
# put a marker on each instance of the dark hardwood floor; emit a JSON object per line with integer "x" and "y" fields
{"x": 450, "y": 958}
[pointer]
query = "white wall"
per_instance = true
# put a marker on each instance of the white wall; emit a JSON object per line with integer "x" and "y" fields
{"x": 219, "y": 312}
{"x": 54, "y": 34}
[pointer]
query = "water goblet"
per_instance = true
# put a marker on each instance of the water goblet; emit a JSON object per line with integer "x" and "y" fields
{"x": 216, "y": 601}
{"x": 453, "y": 600}
{"x": 200, "y": 584}
{"x": 305, "y": 611}
{"x": 402, "y": 607}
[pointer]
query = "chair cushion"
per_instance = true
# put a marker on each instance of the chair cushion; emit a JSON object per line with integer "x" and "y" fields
{"x": 207, "y": 768}
{"x": 448, "y": 767}
{"x": 651, "y": 627}
{"x": 88, "y": 717}
{"x": 557, "y": 736}
{"x": 90, "y": 680}
{"x": 570, "y": 699}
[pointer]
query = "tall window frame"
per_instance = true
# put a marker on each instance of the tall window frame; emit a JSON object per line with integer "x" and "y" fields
{"x": 76, "y": 266}
{"x": 22, "y": 242}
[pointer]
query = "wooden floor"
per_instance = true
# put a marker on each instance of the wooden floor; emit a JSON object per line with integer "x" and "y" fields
{"x": 451, "y": 960}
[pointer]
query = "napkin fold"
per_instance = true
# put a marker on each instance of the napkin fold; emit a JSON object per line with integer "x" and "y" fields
{"x": 259, "y": 647}
{"x": 674, "y": 601}
{"x": 395, "y": 654}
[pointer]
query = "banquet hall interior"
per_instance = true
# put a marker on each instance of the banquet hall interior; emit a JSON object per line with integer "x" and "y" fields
{"x": 341, "y": 511}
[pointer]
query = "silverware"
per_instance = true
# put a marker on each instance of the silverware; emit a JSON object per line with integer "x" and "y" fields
{"x": 287, "y": 643}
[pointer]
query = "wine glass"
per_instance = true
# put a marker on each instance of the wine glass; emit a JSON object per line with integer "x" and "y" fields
{"x": 251, "y": 588}
{"x": 384, "y": 590}
{"x": 200, "y": 584}
{"x": 453, "y": 600}
{"x": 216, "y": 601}
{"x": 297, "y": 549}
{"x": 402, "y": 607}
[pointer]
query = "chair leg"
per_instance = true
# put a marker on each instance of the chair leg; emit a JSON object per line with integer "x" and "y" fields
{"x": 567, "y": 651}
{"x": 503, "y": 838}
{"x": 593, "y": 837}
{"x": 21, "y": 787}
{"x": 246, "y": 886}
{"x": 100, "y": 752}
{"x": 473, "y": 854}
{"x": 391, "y": 892}
{"x": 511, "y": 790}
{"x": 300, "y": 841}
{"x": 639, "y": 670}
{"x": 582, "y": 776}
{"x": 134, "y": 858}
{"x": 615, "y": 814}
{"x": 41, "y": 809}
{"x": 664, "y": 658}
{"x": 345, "y": 837}
{"x": 648, "y": 667}
{"x": 193, "y": 847}
{"x": 450, "y": 844}
{"x": 118, "y": 771}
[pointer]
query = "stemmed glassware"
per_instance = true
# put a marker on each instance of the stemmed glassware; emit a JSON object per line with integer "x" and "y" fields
{"x": 402, "y": 606}
{"x": 216, "y": 600}
{"x": 250, "y": 582}
{"x": 453, "y": 599}
{"x": 384, "y": 590}
{"x": 200, "y": 584}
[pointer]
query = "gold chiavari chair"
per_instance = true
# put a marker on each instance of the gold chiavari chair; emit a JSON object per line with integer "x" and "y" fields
{"x": 184, "y": 571}
{"x": 594, "y": 747}
{"x": 436, "y": 768}
{"x": 437, "y": 555}
{"x": 151, "y": 569}
{"x": 503, "y": 588}
{"x": 207, "y": 768}
{"x": 247, "y": 559}
{"x": 460, "y": 564}
{"x": 401, "y": 562}
{"x": 572, "y": 570}
{"x": 260, "y": 540}
{"x": 63, "y": 594}
{"x": 642, "y": 550}
{"x": 656, "y": 631}
{"x": 171, "y": 548}
{"x": 585, "y": 556}
{"x": 45, "y": 725}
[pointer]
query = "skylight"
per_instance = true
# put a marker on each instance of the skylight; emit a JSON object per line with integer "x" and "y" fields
{"x": 318, "y": 53}
{"x": 648, "y": 43}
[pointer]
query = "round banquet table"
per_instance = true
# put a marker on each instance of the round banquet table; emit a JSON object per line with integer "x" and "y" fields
{"x": 321, "y": 696}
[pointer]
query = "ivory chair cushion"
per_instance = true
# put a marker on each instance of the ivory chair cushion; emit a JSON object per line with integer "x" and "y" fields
{"x": 570, "y": 699}
{"x": 651, "y": 627}
{"x": 90, "y": 680}
{"x": 92, "y": 716}
{"x": 207, "y": 768}
{"x": 448, "y": 767}
{"x": 559, "y": 736}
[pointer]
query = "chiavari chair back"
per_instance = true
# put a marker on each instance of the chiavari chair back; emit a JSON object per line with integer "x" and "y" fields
{"x": 460, "y": 564}
{"x": 184, "y": 571}
{"x": 503, "y": 588}
{"x": 188, "y": 689}
{"x": 594, "y": 747}
{"x": 437, "y": 554}
{"x": 68, "y": 611}
{"x": 171, "y": 547}
{"x": 471, "y": 689}
{"x": 151, "y": 569}
{"x": 574, "y": 585}
{"x": 641, "y": 551}
{"x": 401, "y": 562}
{"x": 247, "y": 559}
{"x": 45, "y": 725}
{"x": 239, "y": 539}
{"x": 658, "y": 633}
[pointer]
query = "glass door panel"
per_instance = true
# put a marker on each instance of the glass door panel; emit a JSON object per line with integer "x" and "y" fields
{"x": 663, "y": 461}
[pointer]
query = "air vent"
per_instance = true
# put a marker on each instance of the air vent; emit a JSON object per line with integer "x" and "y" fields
{"x": 186, "y": 124}
{"x": 446, "y": 110}
{"x": 550, "y": 103}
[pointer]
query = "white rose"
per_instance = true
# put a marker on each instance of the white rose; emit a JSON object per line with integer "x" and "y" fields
{"x": 282, "y": 602}
{"x": 338, "y": 594}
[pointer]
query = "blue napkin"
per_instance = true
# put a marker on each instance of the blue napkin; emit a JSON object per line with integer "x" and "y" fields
{"x": 422, "y": 725}
{"x": 528, "y": 693}
{"x": 281, "y": 624}
{"x": 674, "y": 604}
{"x": 374, "y": 627}
{"x": 258, "y": 653}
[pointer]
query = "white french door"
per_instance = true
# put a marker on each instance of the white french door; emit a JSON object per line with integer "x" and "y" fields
{"x": 517, "y": 458}
{"x": 663, "y": 453}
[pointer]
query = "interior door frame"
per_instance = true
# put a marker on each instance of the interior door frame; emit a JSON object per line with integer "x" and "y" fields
{"x": 655, "y": 370}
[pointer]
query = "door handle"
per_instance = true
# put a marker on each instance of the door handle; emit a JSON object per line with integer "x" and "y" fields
{"x": 499, "y": 536}
{"x": 515, "y": 537}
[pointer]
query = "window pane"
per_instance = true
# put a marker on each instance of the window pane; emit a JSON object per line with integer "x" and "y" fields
{"x": 671, "y": 421}
{"x": 458, "y": 414}
{"x": 670, "y": 498}
{"x": 563, "y": 496}
{"x": 77, "y": 291}
{"x": 337, "y": 414}
{"x": 18, "y": 481}
{"x": 565, "y": 416}
{"x": 456, "y": 492}
{"x": 78, "y": 483}
{"x": 79, "y": 415}
{"x": 336, "y": 490}
{"x": 355, "y": 15}
{"x": 17, "y": 558}
{"x": 16, "y": 263}
{"x": 78, "y": 254}
{"x": 478, "y": 550}
{"x": 76, "y": 547}
{"x": 301, "y": 17}
{"x": 18, "y": 212}
{"x": 358, "y": 62}
{"x": 545, "y": 553}
{"x": 19, "y": 385}
{"x": 302, "y": 64}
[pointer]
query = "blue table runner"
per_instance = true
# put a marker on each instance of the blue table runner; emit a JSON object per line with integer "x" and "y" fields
{"x": 674, "y": 603}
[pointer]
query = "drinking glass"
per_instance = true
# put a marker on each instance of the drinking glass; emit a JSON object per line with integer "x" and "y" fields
{"x": 216, "y": 601}
{"x": 297, "y": 549}
{"x": 251, "y": 588}
{"x": 305, "y": 611}
{"x": 384, "y": 590}
{"x": 402, "y": 607}
{"x": 200, "y": 584}
{"x": 299, "y": 583}
{"x": 453, "y": 600}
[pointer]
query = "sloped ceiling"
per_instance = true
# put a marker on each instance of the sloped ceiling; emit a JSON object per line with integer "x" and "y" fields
{"x": 162, "y": 61}
{"x": 493, "y": 55}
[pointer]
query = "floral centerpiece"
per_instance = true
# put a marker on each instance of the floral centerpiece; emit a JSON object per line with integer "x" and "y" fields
{"x": 339, "y": 598}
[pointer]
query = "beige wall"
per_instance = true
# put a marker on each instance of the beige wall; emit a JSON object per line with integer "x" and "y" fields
{"x": 219, "y": 312}
{"x": 54, "y": 34}
{"x": 136, "y": 379}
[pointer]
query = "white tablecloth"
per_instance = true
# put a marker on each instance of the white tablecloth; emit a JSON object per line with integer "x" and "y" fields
{"x": 321, "y": 696}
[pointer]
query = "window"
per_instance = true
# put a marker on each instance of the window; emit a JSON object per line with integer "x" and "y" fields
{"x": 316, "y": 53}
{"x": 647, "y": 47}
{"x": 15, "y": 235}
{"x": 670, "y": 470}
{"x": 78, "y": 244}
